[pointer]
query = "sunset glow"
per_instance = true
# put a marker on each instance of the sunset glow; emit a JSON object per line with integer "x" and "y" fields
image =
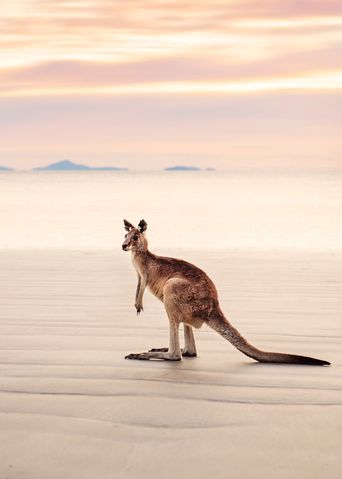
{"x": 96, "y": 49}
{"x": 324, "y": 81}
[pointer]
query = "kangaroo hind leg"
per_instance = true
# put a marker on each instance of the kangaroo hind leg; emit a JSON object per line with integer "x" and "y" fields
{"x": 189, "y": 350}
{"x": 172, "y": 353}
{"x": 175, "y": 309}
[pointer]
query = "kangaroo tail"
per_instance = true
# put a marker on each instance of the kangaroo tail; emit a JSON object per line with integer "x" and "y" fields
{"x": 219, "y": 323}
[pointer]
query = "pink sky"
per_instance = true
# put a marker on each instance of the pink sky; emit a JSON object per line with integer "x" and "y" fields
{"x": 146, "y": 84}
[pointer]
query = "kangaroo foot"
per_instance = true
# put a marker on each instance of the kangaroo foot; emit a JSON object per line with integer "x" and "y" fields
{"x": 185, "y": 352}
{"x": 141, "y": 356}
{"x": 154, "y": 355}
{"x": 188, "y": 354}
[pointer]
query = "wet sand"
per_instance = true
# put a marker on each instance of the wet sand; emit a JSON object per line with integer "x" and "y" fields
{"x": 71, "y": 406}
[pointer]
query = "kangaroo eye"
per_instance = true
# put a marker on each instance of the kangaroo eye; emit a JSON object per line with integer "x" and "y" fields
{"x": 135, "y": 237}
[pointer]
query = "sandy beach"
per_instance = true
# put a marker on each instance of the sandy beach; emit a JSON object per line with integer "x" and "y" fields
{"x": 73, "y": 407}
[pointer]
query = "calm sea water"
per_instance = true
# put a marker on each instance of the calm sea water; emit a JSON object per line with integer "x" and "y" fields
{"x": 200, "y": 210}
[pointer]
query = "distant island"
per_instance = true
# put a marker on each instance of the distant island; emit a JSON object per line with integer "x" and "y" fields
{"x": 182, "y": 168}
{"x": 67, "y": 165}
{"x": 187, "y": 168}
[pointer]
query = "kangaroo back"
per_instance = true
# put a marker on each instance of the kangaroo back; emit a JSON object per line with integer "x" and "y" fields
{"x": 219, "y": 323}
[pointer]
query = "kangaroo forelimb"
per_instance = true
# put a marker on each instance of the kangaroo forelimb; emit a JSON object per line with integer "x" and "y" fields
{"x": 141, "y": 286}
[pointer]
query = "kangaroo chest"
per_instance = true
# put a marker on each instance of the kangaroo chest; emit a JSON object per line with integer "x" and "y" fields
{"x": 138, "y": 267}
{"x": 147, "y": 272}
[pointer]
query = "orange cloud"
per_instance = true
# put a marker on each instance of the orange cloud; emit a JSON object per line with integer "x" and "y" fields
{"x": 321, "y": 81}
{"x": 105, "y": 31}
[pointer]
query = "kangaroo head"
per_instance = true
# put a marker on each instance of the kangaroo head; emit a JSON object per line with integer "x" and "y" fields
{"x": 135, "y": 239}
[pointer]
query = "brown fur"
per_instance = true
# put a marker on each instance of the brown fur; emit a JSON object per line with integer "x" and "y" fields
{"x": 189, "y": 297}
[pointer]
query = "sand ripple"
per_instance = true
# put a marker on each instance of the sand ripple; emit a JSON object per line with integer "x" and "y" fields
{"x": 75, "y": 408}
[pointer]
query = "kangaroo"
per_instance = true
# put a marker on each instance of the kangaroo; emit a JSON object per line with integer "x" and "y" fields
{"x": 189, "y": 297}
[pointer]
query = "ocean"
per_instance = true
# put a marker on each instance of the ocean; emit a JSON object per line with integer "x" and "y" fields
{"x": 211, "y": 211}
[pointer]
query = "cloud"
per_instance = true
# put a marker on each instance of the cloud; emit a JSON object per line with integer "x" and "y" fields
{"x": 181, "y": 68}
{"x": 128, "y": 31}
{"x": 161, "y": 78}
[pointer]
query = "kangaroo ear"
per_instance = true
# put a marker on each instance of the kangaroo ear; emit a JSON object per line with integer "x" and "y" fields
{"x": 142, "y": 226}
{"x": 128, "y": 225}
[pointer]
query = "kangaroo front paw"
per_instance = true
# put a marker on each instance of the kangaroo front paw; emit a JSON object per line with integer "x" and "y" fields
{"x": 141, "y": 356}
{"x": 139, "y": 308}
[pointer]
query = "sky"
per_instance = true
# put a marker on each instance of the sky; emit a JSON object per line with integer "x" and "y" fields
{"x": 145, "y": 84}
